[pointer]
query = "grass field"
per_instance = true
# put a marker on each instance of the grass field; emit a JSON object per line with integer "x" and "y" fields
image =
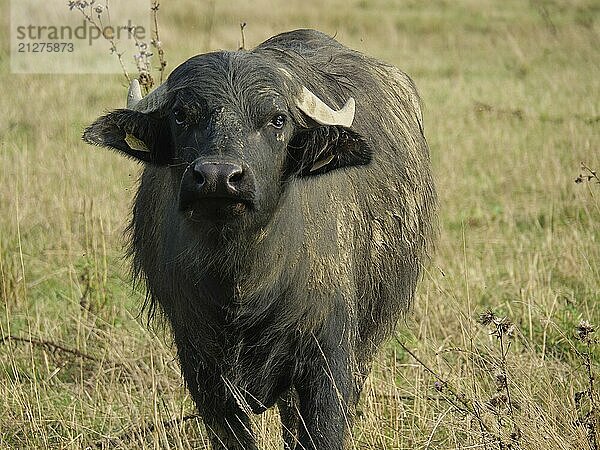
{"x": 512, "y": 107}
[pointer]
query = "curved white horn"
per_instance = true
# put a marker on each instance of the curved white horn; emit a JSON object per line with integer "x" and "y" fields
{"x": 316, "y": 109}
{"x": 150, "y": 102}
{"x": 134, "y": 95}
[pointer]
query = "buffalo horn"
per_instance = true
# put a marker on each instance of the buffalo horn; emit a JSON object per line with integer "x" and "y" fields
{"x": 134, "y": 95}
{"x": 147, "y": 104}
{"x": 316, "y": 109}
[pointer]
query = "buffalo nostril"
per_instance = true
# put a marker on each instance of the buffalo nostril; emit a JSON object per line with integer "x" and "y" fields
{"x": 236, "y": 176}
{"x": 199, "y": 177}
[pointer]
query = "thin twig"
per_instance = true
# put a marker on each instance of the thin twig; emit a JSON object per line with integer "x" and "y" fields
{"x": 156, "y": 42}
{"x": 142, "y": 62}
{"x": 587, "y": 174}
{"x": 593, "y": 418}
{"x": 585, "y": 334}
{"x": 52, "y": 346}
{"x": 88, "y": 16}
{"x": 242, "y": 45}
{"x": 143, "y": 430}
{"x": 464, "y": 405}
{"x": 516, "y": 432}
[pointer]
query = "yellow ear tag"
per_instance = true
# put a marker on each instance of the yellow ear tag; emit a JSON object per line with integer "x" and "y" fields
{"x": 135, "y": 143}
{"x": 321, "y": 162}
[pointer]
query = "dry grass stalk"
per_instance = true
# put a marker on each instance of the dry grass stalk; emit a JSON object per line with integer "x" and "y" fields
{"x": 156, "y": 42}
{"x": 242, "y": 45}
{"x": 587, "y": 175}
{"x": 588, "y": 416}
{"x": 93, "y": 12}
{"x": 98, "y": 16}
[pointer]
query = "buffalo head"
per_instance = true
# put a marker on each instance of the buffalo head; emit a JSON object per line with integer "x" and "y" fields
{"x": 232, "y": 129}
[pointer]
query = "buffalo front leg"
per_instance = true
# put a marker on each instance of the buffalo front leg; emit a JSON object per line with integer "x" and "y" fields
{"x": 230, "y": 432}
{"x": 227, "y": 425}
{"x": 326, "y": 404}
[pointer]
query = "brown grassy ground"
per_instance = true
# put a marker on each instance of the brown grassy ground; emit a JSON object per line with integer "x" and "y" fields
{"x": 511, "y": 90}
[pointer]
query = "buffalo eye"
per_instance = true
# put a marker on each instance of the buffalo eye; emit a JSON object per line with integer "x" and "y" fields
{"x": 180, "y": 116}
{"x": 278, "y": 121}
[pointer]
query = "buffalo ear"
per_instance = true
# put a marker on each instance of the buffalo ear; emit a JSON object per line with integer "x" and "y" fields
{"x": 144, "y": 137}
{"x": 318, "y": 150}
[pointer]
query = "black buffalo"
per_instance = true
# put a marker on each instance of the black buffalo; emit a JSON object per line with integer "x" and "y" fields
{"x": 284, "y": 214}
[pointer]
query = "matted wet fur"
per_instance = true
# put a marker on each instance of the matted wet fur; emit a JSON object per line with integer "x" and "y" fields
{"x": 284, "y": 298}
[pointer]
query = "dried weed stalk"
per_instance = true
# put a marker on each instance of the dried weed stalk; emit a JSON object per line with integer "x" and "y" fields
{"x": 98, "y": 16}
{"x": 457, "y": 399}
{"x": 505, "y": 433}
{"x": 502, "y": 403}
{"x": 242, "y": 45}
{"x": 142, "y": 431}
{"x": 52, "y": 347}
{"x": 587, "y": 175}
{"x": 586, "y": 401}
{"x": 156, "y": 42}
{"x": 93, "y": 13}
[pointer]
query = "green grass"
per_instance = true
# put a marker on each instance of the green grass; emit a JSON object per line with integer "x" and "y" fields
{"x": 511, "y": 109}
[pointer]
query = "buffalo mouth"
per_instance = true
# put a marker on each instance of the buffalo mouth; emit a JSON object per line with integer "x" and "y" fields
{"x": 216, "y": 208}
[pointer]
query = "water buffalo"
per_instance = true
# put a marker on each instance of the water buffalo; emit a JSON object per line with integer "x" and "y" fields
{"x": 283, "y": 217}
